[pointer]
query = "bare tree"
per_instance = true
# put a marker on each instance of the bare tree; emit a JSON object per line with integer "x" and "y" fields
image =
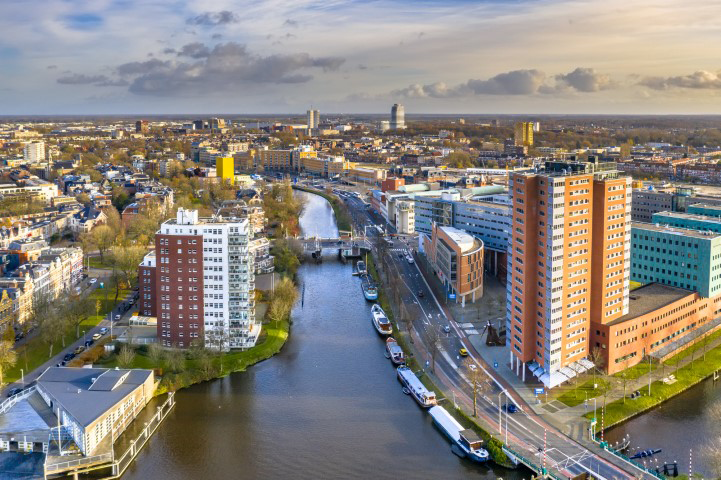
{"x": 434, "y": 345}
{"x": 175, "y": 360}
{"x": 156, "y": 354}
{"x": 126, "y": 356}
{"x": 598, "y": 360}
{"x": 77, "y": 310}
{"x": 103, "y": 238}
{"x": 623, "y": 375}
{"x": 478, "y": 380}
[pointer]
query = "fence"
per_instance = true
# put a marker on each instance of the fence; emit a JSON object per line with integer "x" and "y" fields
{"x": 51, "y": 468}
{"x": 627, "y": 459}
{"x": 8, "y": 404}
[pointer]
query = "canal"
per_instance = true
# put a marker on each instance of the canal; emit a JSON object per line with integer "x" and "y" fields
{"x": 327, "y": 406}
{"x": 686, "y": 422}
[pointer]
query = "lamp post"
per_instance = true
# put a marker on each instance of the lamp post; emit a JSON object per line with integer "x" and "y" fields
{"x": 22, "y": 376}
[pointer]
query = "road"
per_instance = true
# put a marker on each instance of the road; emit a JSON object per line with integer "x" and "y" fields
{"x": 525, "y": 433}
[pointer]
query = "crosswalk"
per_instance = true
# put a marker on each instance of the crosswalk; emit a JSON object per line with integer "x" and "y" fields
{"x": 399, "y": 250}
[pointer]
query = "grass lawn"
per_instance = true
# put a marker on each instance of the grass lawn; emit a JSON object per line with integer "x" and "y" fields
{"x": 95, "y": 262}
{"x": 573, "y": 396}
{"x": 35, "y": 352}
{"x": 686, "y": 376}
{"x": 632, "y": 373}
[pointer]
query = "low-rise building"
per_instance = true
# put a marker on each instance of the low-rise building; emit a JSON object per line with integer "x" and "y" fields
{"x": 457, "y": 260}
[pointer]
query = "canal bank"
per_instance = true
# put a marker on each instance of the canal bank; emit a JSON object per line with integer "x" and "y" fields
{"x": 327, "y": 406}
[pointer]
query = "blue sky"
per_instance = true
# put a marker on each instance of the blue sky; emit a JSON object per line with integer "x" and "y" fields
{"x": 462, "y": 56}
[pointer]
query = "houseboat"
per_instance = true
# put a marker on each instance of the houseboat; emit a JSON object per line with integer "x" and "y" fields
{"x": 395, "y": 352}
{"x": 380, "y": 320}
{"x": 415, "y": 388}
{"x": 466, "y": 440}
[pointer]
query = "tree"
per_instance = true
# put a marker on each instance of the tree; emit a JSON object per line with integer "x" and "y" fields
{"x": 103, "y": 238}
{"x": 77, "y": 310}
{"x": 459, "y": 159}
{"x": 8, "y": 357}
{"x": 597, "y": 359}
{"x": 156, "y": 354}
{"x": 126, "y": 260}
{"x": 175, "y": 360}
{"x": 113, "y": 220}
{"x": 126, "y": 357}
{"x": 434, "y": 345}
{"x": 477, "y": 379}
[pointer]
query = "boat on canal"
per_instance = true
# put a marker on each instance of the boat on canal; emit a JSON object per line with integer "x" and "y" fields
{"x": 380, "y": 320}
{"x": 370, "y": 290}
{"x": 415, "y": 388}
{"x": 467, "y": 442}
{"x": 646, "y": 453}
{"x": 360, "y": 268}
{"x": 395, "y": 352}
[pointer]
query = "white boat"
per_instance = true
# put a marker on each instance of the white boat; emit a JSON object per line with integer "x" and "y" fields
{"x": 416, "y": 389}
{"x": 466, "y": 440}
{"x": 380, "y": 320}
{"x": 395, "y": 352}
{"x": 361, "y": 268}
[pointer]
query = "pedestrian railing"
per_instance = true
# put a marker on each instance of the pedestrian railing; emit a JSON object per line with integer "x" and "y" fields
{"x": 530, "y": 464}
{"x": 8, "y": 404}
{"x": 627, "y": 459}
{"x": 51, "y": 468}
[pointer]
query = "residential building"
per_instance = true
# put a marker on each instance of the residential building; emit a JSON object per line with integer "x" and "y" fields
{"x": 263, "y": 261}
{"x": 34, "y": 152}
{"x": 646, "y": 202}
{"x": 40, "y": 189}
{"x": 405, "y": 217}
{"x": 324, "y": 166}
{"x": 457, "y": 260}
{"x": 367, "y": 175}
{"x": 204, "y": 282}
{"x": 568, "y": 264}
{"x": 523, "y": 134}
{"x": 141, "y": 126}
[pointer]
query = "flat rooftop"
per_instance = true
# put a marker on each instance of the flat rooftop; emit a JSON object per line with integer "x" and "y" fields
{"x": 651, "y": 297}
{"x": 690, "y": 216}
{"x": 683, "y": 232}
{"x": 707, "y": 206}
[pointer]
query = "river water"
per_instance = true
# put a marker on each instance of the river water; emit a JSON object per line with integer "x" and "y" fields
{"x": 328, "y": 406}
{"x": 680, "y": 426}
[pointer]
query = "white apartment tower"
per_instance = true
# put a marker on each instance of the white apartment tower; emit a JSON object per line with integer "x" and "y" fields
{"x": 34, "y": 152}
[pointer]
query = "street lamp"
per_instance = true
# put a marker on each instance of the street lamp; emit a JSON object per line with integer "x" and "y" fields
{"x": 22, "y": 376}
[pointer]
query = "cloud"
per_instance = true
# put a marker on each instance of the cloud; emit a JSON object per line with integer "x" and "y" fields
{"x": 213, "y": 19}
{"x": 51, "y": 67}
{"x": 194, "y": 50}
{"x": 221, "y": 68}
{"x": 217, "y": 36}
{"x": 585, "y": 80}
{"x": 291, "y": 23}
{"x": 515, "y": 82}
{"x": 701, "y": 79}
{"x": 96, "y": 80}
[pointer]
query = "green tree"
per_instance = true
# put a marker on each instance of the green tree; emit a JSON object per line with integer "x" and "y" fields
{"x": 8, "y": 357}
{"x": 459, "y": 159}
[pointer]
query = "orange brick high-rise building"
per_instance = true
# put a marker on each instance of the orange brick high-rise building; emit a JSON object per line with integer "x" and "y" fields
{"x": 568, "y": 264}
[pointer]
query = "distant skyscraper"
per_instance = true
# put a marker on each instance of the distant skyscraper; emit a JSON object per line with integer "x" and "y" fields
{"x": 141, "y": 126}
{"x": 523, "y": 134}
{"x": 398, "y": 117}
{"x": 313, "y": 118}
{"x": 34, "y": 152}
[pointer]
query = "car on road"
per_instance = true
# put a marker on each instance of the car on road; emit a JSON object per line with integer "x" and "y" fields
{"x": 68, "y": 357}
{"x": 409, "y": 259}
{"x": 447, "y": 328}
{"x": 93, "y": 280}
{"x": 14, "y": 391}
{"x": 97, "y": 336}
{"x": 117, "y": 317}
{"x": 463, "y": 352}
{"x": 103, "y": 331}
{"x": 510, "y": 408}
{"x": 80, "y": 349}
{"x": 420, "y": 293}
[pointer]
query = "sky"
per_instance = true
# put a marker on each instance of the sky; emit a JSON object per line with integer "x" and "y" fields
{"x": 360, "y": 56}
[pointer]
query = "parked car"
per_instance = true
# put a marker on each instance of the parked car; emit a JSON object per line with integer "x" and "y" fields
{"x": 447, "y": 328}
{"x": 463, "y": 352}
{"x": 510, "y": 408}
{"x": 80, "y": 349}
{"x": 117, "y": 317}
{"x": 93, "y": 280}
{"x": 14, "y": 391}
{"x": 68, "y": 357}
{"x": 88, "y": 343}
{"x": 103, "y": 331}
{"x": 97, "y": 336}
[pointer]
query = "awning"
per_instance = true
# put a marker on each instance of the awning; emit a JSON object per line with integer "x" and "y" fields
{"x": 586, "y": 363}
{"x": 538, "y": 371}
{"x": 553, "y": 379}
{"x": 569, "y": 372}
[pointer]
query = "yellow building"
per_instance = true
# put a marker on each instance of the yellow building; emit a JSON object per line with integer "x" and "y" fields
{"x": 284, "y": 160}
{"x": 225, "y": 169}
{"x": 523, "y": 134}
{"x": 324, "y": 166}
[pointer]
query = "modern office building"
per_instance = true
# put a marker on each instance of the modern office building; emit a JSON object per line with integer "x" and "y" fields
{"x": 323, "y": 166}
{"x": 398, "y": 117}
{"x": 34, "y": 152}
{"x": 646, "y": 202}
{"x": 523, "y": 134}
{"x": 456, "y": 258}
{"x": 690, "y": 221}
{"x": 200, "y": 284}
{"x": 568, "y": 264}
{"x": 677, "y": 257}
{"x": 290, "y": 160}
{"x": 405, "y": 217}
{"x": 141, "y": 126}
{"x": 225, "y": 169}
{"x": 706, "y": 209}
{"x": 313, "y": 119}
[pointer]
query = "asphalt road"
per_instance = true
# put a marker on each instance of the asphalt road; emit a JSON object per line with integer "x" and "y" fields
{"x": 526, "y": 434}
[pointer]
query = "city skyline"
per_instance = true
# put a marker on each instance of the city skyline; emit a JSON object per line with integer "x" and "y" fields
{"x": 125, "y": 56}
